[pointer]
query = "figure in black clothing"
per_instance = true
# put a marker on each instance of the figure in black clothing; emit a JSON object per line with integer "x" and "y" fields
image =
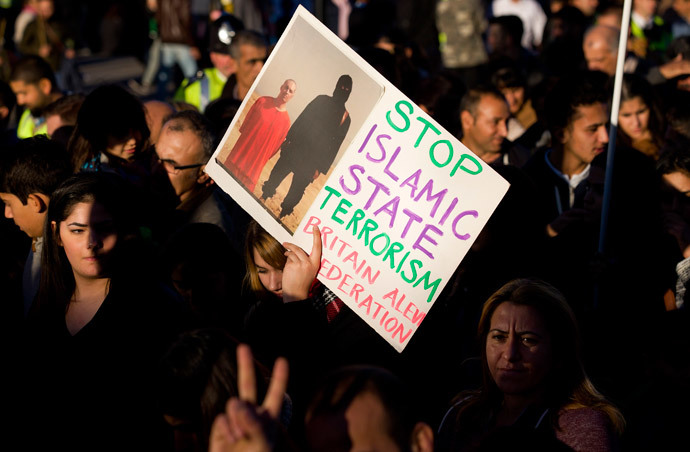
{"x": 311, "y": 144}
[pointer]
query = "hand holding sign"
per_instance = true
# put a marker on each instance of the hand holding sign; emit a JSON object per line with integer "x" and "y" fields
{"x": 245, "y": 426}
{"x": 301, "y": 269}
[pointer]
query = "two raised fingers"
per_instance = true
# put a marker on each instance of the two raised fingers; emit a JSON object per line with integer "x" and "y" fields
{"x": 246, "y": 381}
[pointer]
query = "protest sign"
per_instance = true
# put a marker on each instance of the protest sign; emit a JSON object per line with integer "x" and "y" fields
{"x": 399, "y": 200}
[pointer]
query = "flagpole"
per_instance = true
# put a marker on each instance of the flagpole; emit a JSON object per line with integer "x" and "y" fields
{"x": 613, "y": 128}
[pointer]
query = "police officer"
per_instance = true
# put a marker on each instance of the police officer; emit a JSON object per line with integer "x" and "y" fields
{"x": 208, "y": 84}
{"x": 33, "y": 83}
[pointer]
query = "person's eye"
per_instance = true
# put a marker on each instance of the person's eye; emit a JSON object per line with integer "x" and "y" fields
{"x": 76, "y": 231}
{"x": 261, "y": 270}
{"x": 498, "y": 337}
{"x": 530, "y": 341}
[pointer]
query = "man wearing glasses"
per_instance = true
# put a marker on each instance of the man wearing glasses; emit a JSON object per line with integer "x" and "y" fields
{"x": 184, "y": 147}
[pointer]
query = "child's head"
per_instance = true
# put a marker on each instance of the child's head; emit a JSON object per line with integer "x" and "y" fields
{"x": 110, "y": 120}
{"x": 29, "y": 173}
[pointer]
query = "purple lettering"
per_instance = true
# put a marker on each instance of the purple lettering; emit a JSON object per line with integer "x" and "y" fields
{"x": 458, "y": 218}
{"x": 377, "y": 186}
{"x": 412, "y": 217}
{"x": 423, "y": 236}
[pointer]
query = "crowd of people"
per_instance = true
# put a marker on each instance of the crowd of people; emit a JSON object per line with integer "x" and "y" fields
{"x": 146, "y": 310}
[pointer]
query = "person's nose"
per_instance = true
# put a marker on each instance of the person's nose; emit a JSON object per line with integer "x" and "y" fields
{"x": 276, "y": 281}
{"x": 638, "y": 121}
{"x": 603, "y": 134}
{"x": 511, "y": 350}
{"x": 503, "y": 129}
{"x": 95, "y": 241}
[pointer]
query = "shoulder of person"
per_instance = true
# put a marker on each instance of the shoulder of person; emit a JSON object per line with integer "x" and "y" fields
{"x": 585, "y": 429}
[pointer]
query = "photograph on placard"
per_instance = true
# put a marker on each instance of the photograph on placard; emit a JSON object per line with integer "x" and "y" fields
{"x": 301, "y": 116}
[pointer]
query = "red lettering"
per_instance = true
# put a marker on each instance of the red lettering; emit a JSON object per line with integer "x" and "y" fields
{"x": 313, "y": 221}
{"x": 343, "y": 282}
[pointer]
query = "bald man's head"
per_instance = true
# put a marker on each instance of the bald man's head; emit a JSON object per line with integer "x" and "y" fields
{"x": 156, "y": 114}
{"x": 600, "y": 45}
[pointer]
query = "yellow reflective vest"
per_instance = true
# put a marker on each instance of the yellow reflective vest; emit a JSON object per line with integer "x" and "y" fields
{"x": 29, "y": 126}
{"x": 201, "y": 91}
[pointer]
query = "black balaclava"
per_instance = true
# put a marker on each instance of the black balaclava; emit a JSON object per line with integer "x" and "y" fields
{"x": 343, "y": 89}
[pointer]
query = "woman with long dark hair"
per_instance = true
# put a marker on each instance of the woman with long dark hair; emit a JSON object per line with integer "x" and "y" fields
{"x": 99, "y": 323}
{"x": 534, "y": 386}
{"x": 640, "y": 123}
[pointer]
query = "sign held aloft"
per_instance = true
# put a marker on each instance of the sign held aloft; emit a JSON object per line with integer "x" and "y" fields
{"x": 399, "y": 200}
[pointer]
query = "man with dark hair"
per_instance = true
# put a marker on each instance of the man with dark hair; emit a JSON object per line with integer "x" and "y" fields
{"x": 484, "y": 115}
{"x": 29, "y": 172}
{"x": 33, "y": 82}
{"x": 248, "y": 51}
{"x": 570, "y": 180}
{"x": 577, "y": 117}
{"x": 311, "y": 144}
{"x": 184, "y": 146}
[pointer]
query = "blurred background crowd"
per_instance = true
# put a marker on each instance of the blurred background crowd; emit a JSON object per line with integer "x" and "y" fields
{"x": 128, "y": 278}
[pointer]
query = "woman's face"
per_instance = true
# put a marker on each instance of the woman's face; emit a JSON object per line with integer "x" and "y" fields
{"x": 518, "y": 349}
{"x": 88, "y": 236}
{"x": 270, "y": 277}
{"x": 125, "y": 149}
{"x": 633, "y": 118}
{"x": 515, "y": 96}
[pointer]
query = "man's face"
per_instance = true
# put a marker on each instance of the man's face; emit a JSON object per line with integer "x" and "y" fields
{"x": 249, "y": 64}
{"x": 588, "y": 7}
{"x": 484, "y": 133}
{"x": 586, "y": 136}
{"x": 45, "y": 8}
{"x": 224, "y": 63}
{"x": 35, "y": 97}
{"x": 26, "y": 216}
{"x": 287, "y": 91}
{"x": 599, "y": 56}
{"x": 682, "y": 7}
{"x": 180, "y": 149}
{"x": 495, "y": 38}
{"x": 646, "y": 8}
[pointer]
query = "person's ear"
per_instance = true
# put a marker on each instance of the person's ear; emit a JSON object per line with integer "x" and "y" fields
{"x": 4, "y": 112}
{"x": 564, "y": 135}
{"x": 53, "y": 228}
{"x": 422, "y": 439}
{"x": 38, "y": 202}
{"x": 45, "y": 86}
{"x": 466, "y": 120}
{"x": 202, "y": 177}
